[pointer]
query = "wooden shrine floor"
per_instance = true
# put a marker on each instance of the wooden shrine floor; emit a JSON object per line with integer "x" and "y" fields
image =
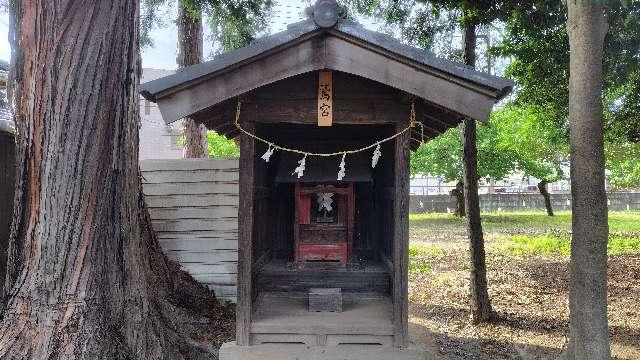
{"x": 284, "y": 317}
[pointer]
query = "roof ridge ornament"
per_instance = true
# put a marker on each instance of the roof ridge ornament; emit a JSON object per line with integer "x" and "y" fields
{"x": 325, "y": 13}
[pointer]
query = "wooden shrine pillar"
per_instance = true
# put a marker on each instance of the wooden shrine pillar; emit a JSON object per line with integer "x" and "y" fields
{"x": 245, "y": 235}
{"x": 400, "y": 290}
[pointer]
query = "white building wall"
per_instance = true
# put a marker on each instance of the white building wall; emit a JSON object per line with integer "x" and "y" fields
{"x": 157, "y": 139}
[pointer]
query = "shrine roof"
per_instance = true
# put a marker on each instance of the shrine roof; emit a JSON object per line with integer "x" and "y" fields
{"x": 340, "y": 45}
{"x": 153, "y": 89}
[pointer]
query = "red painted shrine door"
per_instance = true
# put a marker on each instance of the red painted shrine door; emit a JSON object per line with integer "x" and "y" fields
{"x": 324, "y": 222}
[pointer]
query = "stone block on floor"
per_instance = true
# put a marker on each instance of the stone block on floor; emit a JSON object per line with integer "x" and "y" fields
{"x": 325, "y": 300}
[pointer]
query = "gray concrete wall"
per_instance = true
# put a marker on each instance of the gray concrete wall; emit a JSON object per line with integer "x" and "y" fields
{"x": 518, "y": 202}
{"x": 193, "y": 205}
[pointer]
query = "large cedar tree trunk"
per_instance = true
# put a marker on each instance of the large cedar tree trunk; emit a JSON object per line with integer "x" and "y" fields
{"x": 589, "y": 335}
{"x": 190, "y": 53}
{"x": 87, "y": 278}
{"x": 542, "y": 187}
{"x": 480, "y": 302}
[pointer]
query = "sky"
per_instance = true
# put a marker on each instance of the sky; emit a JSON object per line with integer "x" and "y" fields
{"x": 5, "y": 51}
{"x": 163, "y": 54}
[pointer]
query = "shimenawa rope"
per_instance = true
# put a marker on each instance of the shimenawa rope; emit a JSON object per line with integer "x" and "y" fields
{"x": 412, "y": 123}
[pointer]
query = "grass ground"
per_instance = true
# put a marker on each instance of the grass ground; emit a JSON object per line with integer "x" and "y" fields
{"x": 527, "y": 264}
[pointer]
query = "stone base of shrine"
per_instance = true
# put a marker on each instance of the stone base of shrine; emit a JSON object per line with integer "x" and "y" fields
{"x": 231, "y": 351}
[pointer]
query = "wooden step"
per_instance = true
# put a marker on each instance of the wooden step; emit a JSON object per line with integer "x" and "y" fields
{"x": 280, "y": 276}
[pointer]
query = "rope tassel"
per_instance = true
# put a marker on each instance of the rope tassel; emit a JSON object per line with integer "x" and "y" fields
{"x": 377, "y": 153}
{"x": 342, "y": 171}
{"x": 376, "y": 156}
{"x": 267, "y": 155}
{"x": 301, "y": 165}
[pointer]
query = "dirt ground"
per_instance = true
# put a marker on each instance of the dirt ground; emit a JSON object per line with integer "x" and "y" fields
{"x": 529, "y": 295}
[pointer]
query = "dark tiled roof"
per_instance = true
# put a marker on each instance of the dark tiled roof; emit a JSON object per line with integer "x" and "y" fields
{"x": 309, "y": 28}
{"x": 257, "y": 47}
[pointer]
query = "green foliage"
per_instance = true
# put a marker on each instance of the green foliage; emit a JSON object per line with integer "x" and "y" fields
{"x": 543, "y": 245}
{"x": 416, "y": 250}
{"x": 522, "y": 221}
{"x": 538, "y": 148}
{"x": 621, "y": 244}
{"x": 522, "y": 233}
{"x": 221, "y": 147}
{"x": 442, "y": 156}
{"x": 516, "y": 138}
{"x": 234, "y": 23}
{"x": 418, "y": 23}
{"x": 560, "y": 244}
{"x": 421, "y": 257}
{"x": 623, "y": 164}
{"x": 537, "y": 40}
{"x": 419, "y": 266}
{"x": 218, "y": 146}
{"x": 151, "y": 19}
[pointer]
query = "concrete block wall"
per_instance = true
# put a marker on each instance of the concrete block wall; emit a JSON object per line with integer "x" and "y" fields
{"x": 519, "y": 202}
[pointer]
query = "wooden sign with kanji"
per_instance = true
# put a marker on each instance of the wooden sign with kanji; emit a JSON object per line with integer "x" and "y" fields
{"x": 325, "y": 99}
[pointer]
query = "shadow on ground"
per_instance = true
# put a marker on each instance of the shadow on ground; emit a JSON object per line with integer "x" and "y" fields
{"x": 442, "y": 346}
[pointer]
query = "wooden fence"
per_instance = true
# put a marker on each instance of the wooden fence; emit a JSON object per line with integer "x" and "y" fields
{"x": 193, "y": 205}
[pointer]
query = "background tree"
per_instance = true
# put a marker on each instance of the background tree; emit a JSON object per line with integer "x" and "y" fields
{"x": 190, "y": 43}
{"x": 536, "y": 147}
{"x": 221, "y": 147}
{"x": 537, "y": 42}
{"x": 442, "y": 156}
{"x": 218, "y": 146}
{"x": 86, "y": 276}
{"x": 588, "y": 326}
{"x": 233, "y": 24}
{"x": 623, "y": 163}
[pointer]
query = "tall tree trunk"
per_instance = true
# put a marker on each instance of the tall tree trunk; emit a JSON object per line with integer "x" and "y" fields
{"x": 190, "y": 53}
{"x": 542, "y": 187}
{"x": 480, "y": 302}
{"x": 458, "y": 193}
{"x": 87, "y": 278}
{"x": 589, "y": 335}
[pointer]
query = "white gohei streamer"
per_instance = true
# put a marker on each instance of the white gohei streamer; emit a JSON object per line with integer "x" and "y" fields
{"x": 376, "y": 156}
{"x": 325, "y": 201}
{"x": 267, "y": 155}
{"x": 301, "y": 165}
{"x": 342, "y": 171}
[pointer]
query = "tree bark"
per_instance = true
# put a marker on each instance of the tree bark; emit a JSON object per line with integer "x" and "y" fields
{"x": 480, "y": 303}
{"x": 542, "y": 187}
{"x": 458, "y": 192}
{"x": 190, "y": 51}
{"x": 589, "y": 335}
{"x": 87, "y": 278}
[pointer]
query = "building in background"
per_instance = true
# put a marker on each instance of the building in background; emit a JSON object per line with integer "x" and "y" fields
{"x": 5, "y": 114}
{"x": 157, "y": 139}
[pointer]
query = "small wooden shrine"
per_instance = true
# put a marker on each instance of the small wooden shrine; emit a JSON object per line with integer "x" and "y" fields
{"x": 327, "y": 113}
